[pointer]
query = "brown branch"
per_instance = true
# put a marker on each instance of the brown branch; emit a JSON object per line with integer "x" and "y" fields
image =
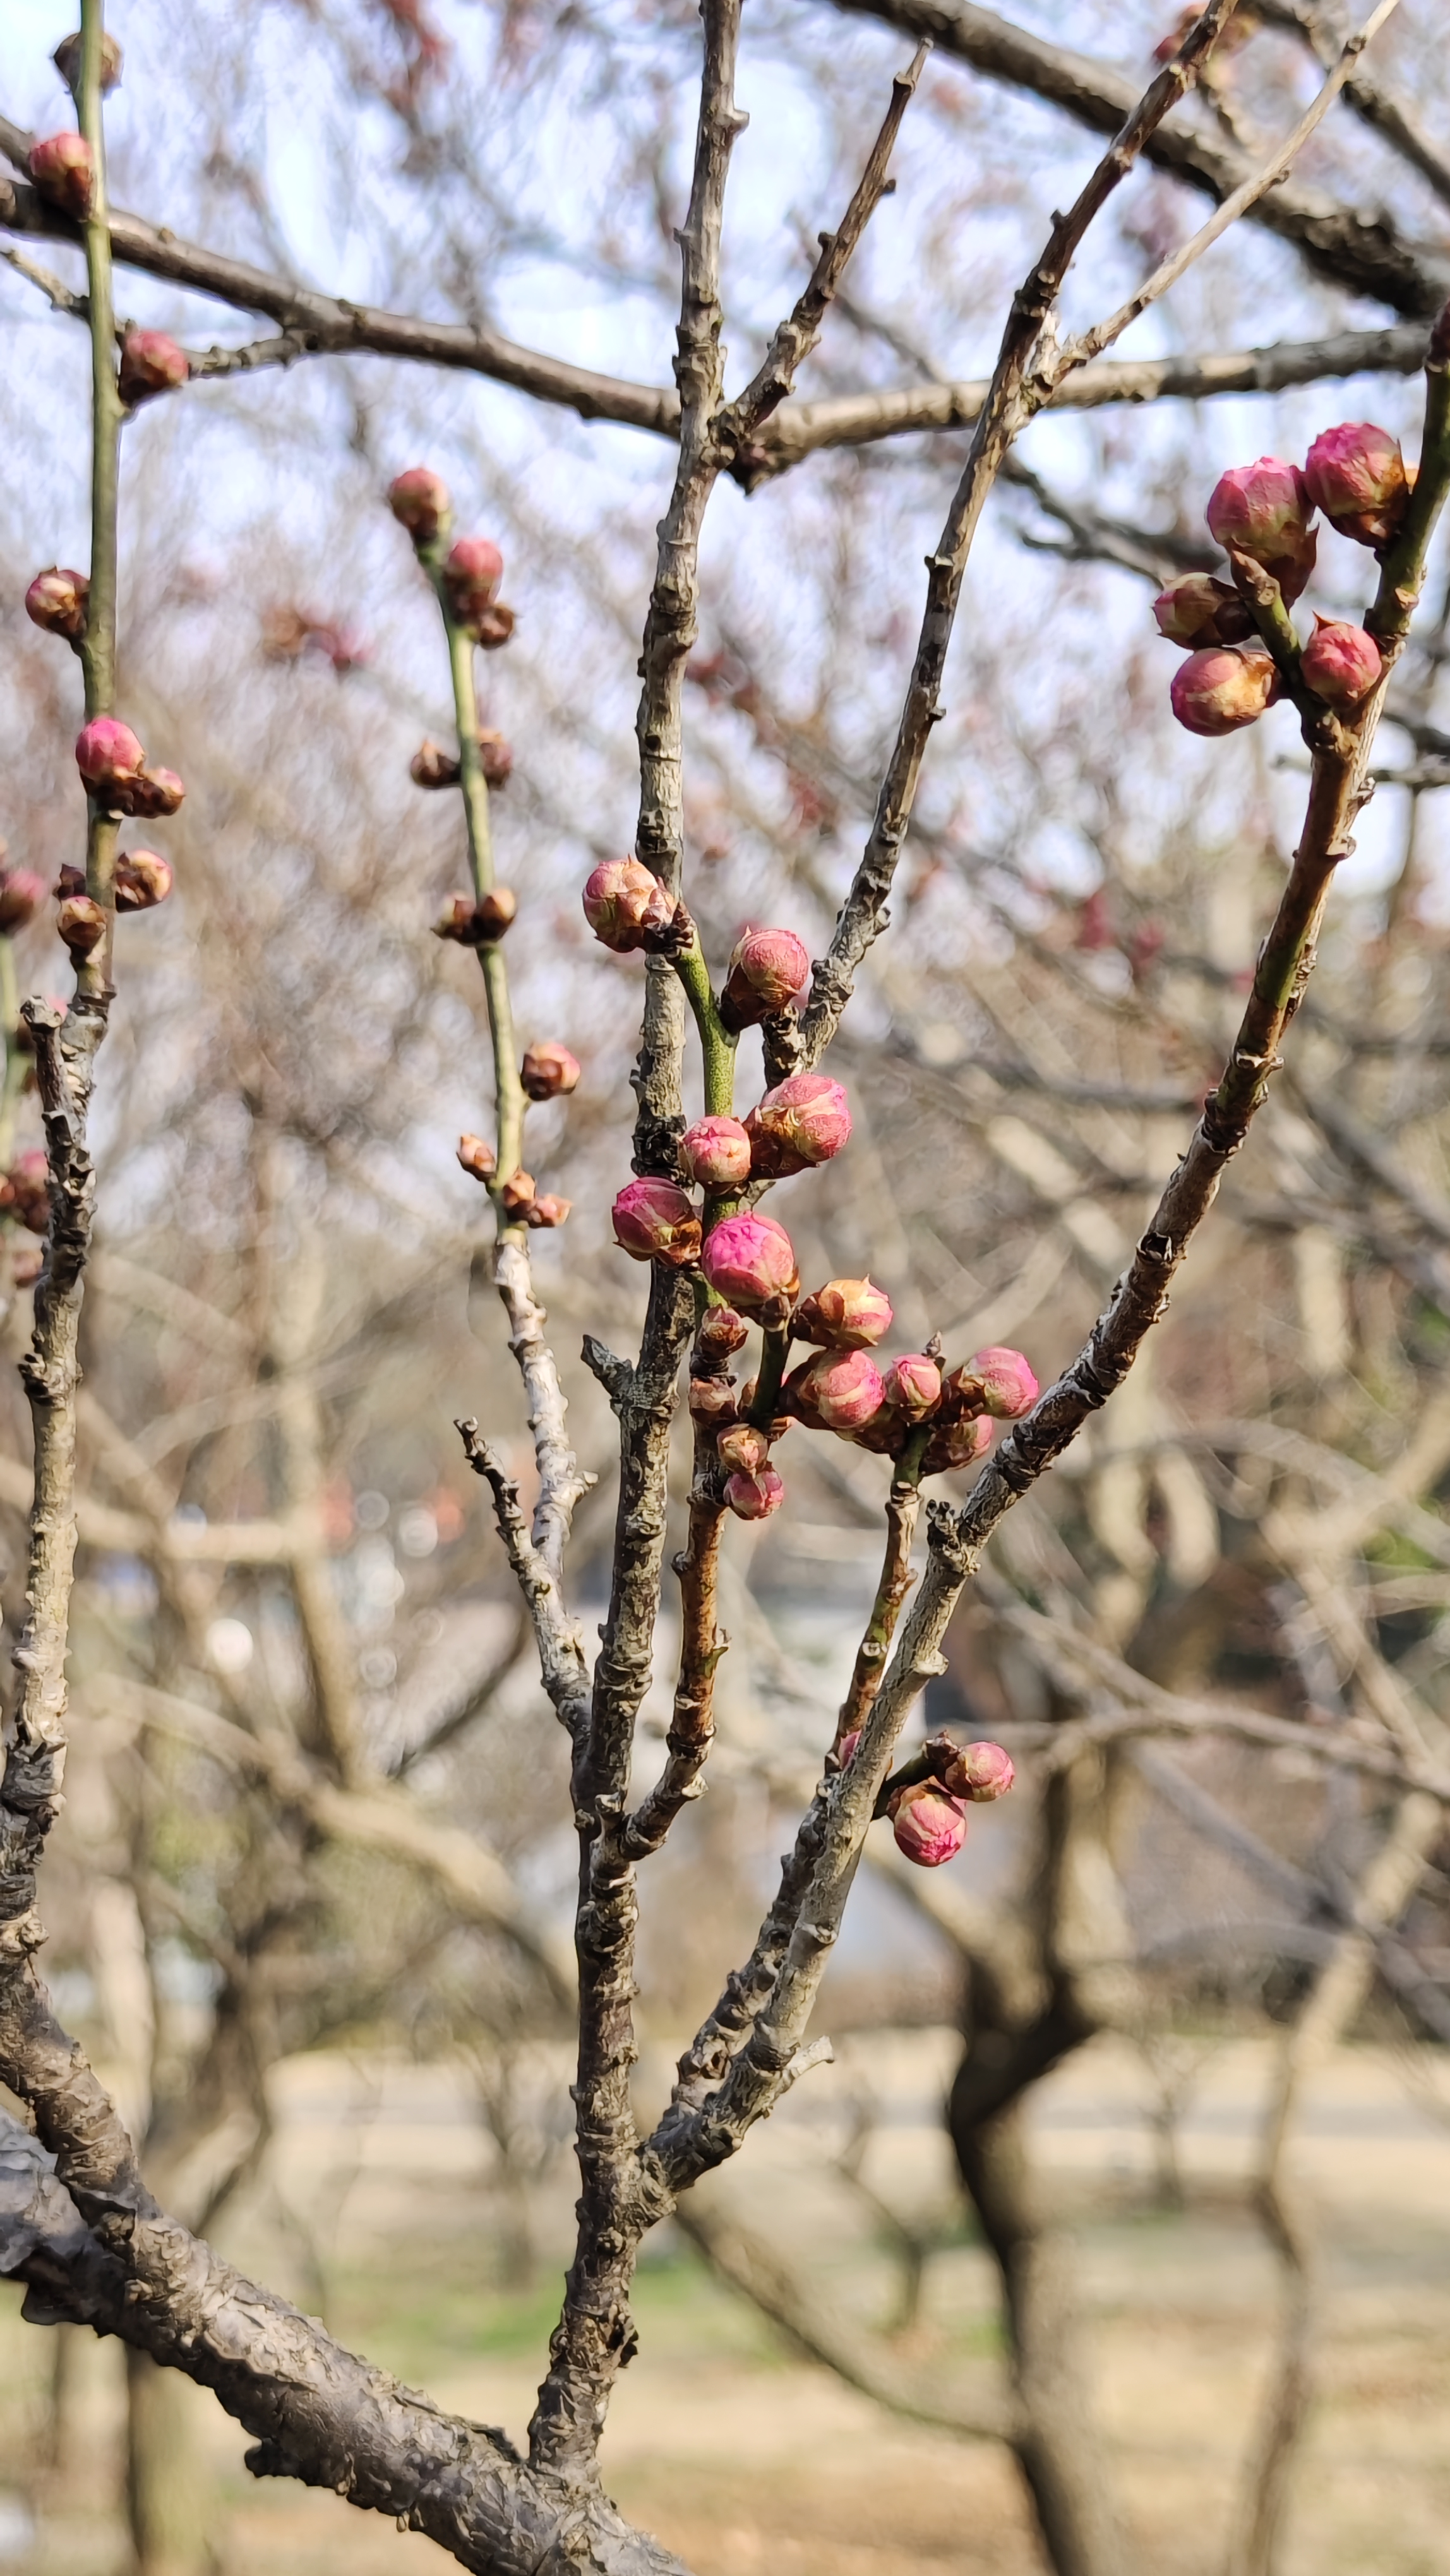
{"x": 903, "y": 1506}
{"x": 702, "y": 1643}
{"x": 561, "y": 1651}
{"x": 1346, "y": 245}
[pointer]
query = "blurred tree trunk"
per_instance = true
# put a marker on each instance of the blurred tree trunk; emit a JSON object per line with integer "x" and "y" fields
{"x": 165, "y": 2492}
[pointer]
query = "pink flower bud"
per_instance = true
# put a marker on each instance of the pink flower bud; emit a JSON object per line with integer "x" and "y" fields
{"x": 849, "y": 1314}
{"x": 151, "y": 363}
{"x": 715, "y": 1152}
{"x": 471, "y": 575}
{"x": 929, "y": 1826}
{"x": 744, "y": 1447}
{"x": 722, "y": 1333}
{"x": 143, "y": 879}
{"x": 547, "y": 1211}
{"x": 804, "y": 1120}
{"x": 108, "y": 753}
{"x": 843, "y": 1389}
{"x": 754, "y": 1498}
{"x": 1340, "y": 663}
{"x": 64, "y": 172}
{"x": 477, "y": 1157}
{"x": 420, "y": 502}
{"x": 750, "y": 1260}
{"x": 624, "y": 904}
{"x": 712, "y": 1400}
{"x": 25, "y": 1191}
{"x": 155, "y": 794}
{"x": 913, "y": 1386}
{"x": 1356, "y": 475}
{"x": 1222, "y": 690}
{"x": 1198, "y": 609}
{"x": 979, "y": 1773}
{"x": 654, "y": 1221}
{"x": 767, "y": 969}
{"x": 56, "y": 600}
{"x": 21, "y": 896}
{"x": 955, "y": 1445}
{"x": 1008, "y": 1387}
{"x": 81, "y": 922}
{"x": 549, "y": 1071}
{"x": 1264, "y": 511}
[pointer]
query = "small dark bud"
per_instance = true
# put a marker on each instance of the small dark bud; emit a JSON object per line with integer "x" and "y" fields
{"x": 493, "y": 626}
{"x": 154, "y": 795}
{"x": 143, "y": 879}
{"x": 56, "y": 601}
{"x": 517, "y": 1194}
{"x": 549, "y": 1071}
{"x": 70, "y": 881}
{"x": 81, "y": 922}
{"x": 151, "y": 363}
{"x": 722, "y": 1333}
{"x": 67, "y": 60}
{"x": 432, "y": 766}
{"x": 712, "y": 1399}
{"x": 476, "y": 1157}
{"x": 547, "y": 1211}
{"x": 495, "y": 910}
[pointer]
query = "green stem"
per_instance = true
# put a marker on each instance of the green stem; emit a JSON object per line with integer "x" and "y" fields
{"x": 98, "y": 645}
{"x": 717, "y": 1046}
{"x": 509, "y": 1098}
{"x": 1402, "y": 570}
{"x": 774, "y": 1352}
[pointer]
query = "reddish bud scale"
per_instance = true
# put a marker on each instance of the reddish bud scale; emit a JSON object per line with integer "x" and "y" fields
{"x": 1222, "y": 690}
{"x": 81, "y": 922}
{"x": 1340, "y": 663}
{"x": 750, "y": 1261}
{"x": 805, "y": 1120}
{"x": 143, "y": 879}
{"x": 721, "y": 1334}
{"x": 847, "y": 1314}
{"x": 56, "y": 602}
{"x": 712, "y": 1400}
{"x": 154, "y": 795}
{"x": 547, "y": 1211}
{"x": 1200, "y": 609}
{"x": 492, "y": 626}
{"x": 517, "y": 1193}
{"x": 754, "y": 1498}
{"x": 929, "y": 1826}
{"x": 64, "y": 171}
{"x": 474, "y": 924}
{"x": 954, "y": 1446}
{"x": 654, "y": 1221}
{"x": 715, "y": 1154}
{"x": 549, "y": 1071}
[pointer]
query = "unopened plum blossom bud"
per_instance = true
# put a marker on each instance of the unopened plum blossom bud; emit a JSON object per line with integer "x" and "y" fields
{"x": 473, "y": 924}
{"x": 64, "y": 171}
{"x": 1223, "y": 689}
{"x": 432, "y": 766}
{"x": 67, "y": 60}
{"x": 56, "y": 601}
{"x": 754, "y": 1498}
{"x": 420, "y": 502}
{"x": 151, "y": 363}
{"x": 750, "y": 1261}
{"x": 155, "y": 794}
{"x": 913, "y": 1386}
{"x": 497, "y": 759}
{"x": 744, "y": 1447}
{"x": 493, "y": 625}
{"x": 715, "y": 1152}
{"x": 477, "y": 1157}
{"x": 1264, "y": 510}
{"x": 108, "y": 753}
{"x": 851, "y": 1314}
{"x": 1200, "y": 609}
{"x": 517, "y": 1193}
{"x": 21, "y": 895}
{"x": 1356, "y": 475}
{"x": 471, "y": 575}
{"x": 625, "y": 904}
{"x": 81, "y": 922}
{"x": 843, "y": 1390}
{"x": 25, "y": 1191}
{"x": 955, "y": 1445}
{"x": 979, "y": 1773}
{"x": 549, "y": 1071}
{"x": 929, "y": 1826}
{"x": 721, "y": 1334}
{"x": 712, "y": 1399}
{"x": 1340, "y": 663}
{"x": 654, "y": 1221}
{"x": 805, "y": 1120}
{"x": 767, "y": 969}
{"x": 494, "y": 911}
{"x": 547, "y": 1211}
{"x": 143, "y": 879}
{"x": 1008, "y": 1387}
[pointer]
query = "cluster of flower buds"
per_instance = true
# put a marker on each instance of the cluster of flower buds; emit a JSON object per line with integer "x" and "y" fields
{"x": 518, "y": 1197}
{"x": 1263, "y": 514}
{"x": 113, "y": 766}
{"x": 766, "y": 971}
{"x": 432, "y": 766}
{"x": 151, "y": 363}
{"x": 475, "y": 922}
{"x": 929, "y": 1816}
{"x": 64, "y": 170}
{"x": 627, "y": 907}
{"x": 25, "y": 1192}
{"x": 56, "y": 601}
